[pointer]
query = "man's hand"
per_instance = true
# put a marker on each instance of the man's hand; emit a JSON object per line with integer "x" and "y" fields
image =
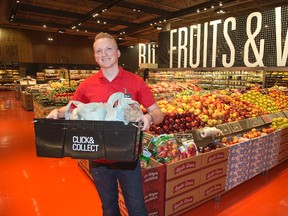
{"x": 53, "y": 114}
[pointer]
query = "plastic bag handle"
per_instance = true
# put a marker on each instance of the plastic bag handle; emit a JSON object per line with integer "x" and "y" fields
{"x": 68, "y": 106}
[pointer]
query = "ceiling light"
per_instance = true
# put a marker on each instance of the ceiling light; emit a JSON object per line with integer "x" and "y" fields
{"x": 121, "y": 38}
{"x": 220, "y": 11}
{"x": 50, "y": 39}
{"x": 61, "y": 31}
{"x": 18, "y": 1}
{"x": 44, "y": 26}
{"x": 96, "y": 14}
{"x": 73, "y": 27}
{"x": 159, "y": 28}
{"x": 198, "y": 10}
{"x": 220, "y": 3}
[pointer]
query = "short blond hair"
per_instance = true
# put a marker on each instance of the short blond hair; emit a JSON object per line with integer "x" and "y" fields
{"x": 106, "y": 35}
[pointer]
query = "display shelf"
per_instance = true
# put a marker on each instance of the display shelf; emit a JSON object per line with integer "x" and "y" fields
{"x": 211, "y": 78}
{"x": 276, "y": 76}
{"x": 9, "y": 72}
{"x": 56, "y": 74}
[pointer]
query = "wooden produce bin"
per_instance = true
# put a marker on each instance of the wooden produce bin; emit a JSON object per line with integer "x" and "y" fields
{"x": 26, "y": 100}
{"x": 40, "y": 111}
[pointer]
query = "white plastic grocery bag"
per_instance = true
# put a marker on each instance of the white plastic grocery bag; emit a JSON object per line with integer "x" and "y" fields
{"x": 79, "y": 111}
{"x": 120, "y": 108}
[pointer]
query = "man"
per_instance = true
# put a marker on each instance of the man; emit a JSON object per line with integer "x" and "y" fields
{"x": 98, "y": 88}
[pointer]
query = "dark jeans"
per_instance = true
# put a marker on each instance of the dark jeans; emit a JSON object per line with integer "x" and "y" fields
{"x": 129, "y": 176}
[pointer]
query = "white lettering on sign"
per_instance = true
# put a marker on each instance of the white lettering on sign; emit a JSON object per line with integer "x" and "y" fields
{"x": 281, "y": 58}
{"x": 198, "y": 46}
{"x": 205, "y": 44}
{"x": 83, "y": 143}
{"x": 231, "y": 20}
{"x": 182, "y": 47}
{"x": 172, "y": 47}
{"x": 252, "y": 50}
{"x": 146, "y": 53}
{"x": 252, "y": 43}
{"x": 214, "y": 41}
{"x": 142, "y": 53}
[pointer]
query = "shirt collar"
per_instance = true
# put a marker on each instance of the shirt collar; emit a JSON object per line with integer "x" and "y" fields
{"x": 119, "y": 75}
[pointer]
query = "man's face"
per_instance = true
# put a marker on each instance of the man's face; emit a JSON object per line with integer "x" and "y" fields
{"x": 106, "y": 53}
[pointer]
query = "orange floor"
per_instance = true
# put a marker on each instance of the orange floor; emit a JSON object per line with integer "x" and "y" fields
{"x": 31, "y": 186}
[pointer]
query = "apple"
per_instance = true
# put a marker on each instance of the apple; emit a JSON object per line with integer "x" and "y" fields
{"x": 197, "y": 112}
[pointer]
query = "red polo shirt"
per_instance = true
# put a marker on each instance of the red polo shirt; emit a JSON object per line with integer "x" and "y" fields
{"x": 98, "y": 89}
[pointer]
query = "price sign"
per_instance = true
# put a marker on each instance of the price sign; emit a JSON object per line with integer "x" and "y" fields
{"x": 254, "y": 122}
{"x": 266, "y": 118}
{"x": 235, "y": 126}
{"x": 272, "y": 115}
{"x": 280, "y": 114}
{"x": 224, "y": 128}
{"x": 245, "y": 124}
{"x": 184, "y": 136}
{"x": 286, "y": 113}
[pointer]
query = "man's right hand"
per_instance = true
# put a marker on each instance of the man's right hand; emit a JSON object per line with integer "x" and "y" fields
{"x": 53, "y": 114}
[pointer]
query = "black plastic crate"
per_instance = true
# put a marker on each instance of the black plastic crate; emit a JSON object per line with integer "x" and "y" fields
{"x": 92, "y": 140}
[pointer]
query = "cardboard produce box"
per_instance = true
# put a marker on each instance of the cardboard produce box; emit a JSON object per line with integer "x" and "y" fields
{"x": 181, "y": 203}
{"x": 212, "y": 189}
{"x": 215, "y": 156}
{"x": 182, "y": 167}
{"x": 211, "y": 173}
{"x": 182, "y": 184}
{"x": 154, "y": 175}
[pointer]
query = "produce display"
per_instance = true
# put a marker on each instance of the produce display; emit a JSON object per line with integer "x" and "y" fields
{"x": 190, "y": 110}
{"x": 280, "y": 123}
{"x": 58, "y": 94}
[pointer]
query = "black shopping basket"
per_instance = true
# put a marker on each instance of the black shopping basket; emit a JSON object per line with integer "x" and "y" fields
{"x": 85, "y": 139}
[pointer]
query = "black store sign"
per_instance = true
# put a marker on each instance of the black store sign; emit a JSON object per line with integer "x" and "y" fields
{"x": 254, "y": 40}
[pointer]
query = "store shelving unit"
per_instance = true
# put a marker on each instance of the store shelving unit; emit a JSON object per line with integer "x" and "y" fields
{"x": 211, "y": 78}
{"x": 56, "y": 74}
{"x": 276, "y": 76}
{"x": 9, "y": 73}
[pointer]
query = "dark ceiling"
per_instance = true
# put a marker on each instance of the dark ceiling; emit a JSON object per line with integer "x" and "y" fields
{"x": 136, "y": 20}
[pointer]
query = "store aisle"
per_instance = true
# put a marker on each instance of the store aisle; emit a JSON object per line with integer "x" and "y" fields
{"x": 31, "y": 186}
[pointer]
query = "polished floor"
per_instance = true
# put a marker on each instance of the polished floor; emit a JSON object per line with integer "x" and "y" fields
{"x": 33, "y": 186}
